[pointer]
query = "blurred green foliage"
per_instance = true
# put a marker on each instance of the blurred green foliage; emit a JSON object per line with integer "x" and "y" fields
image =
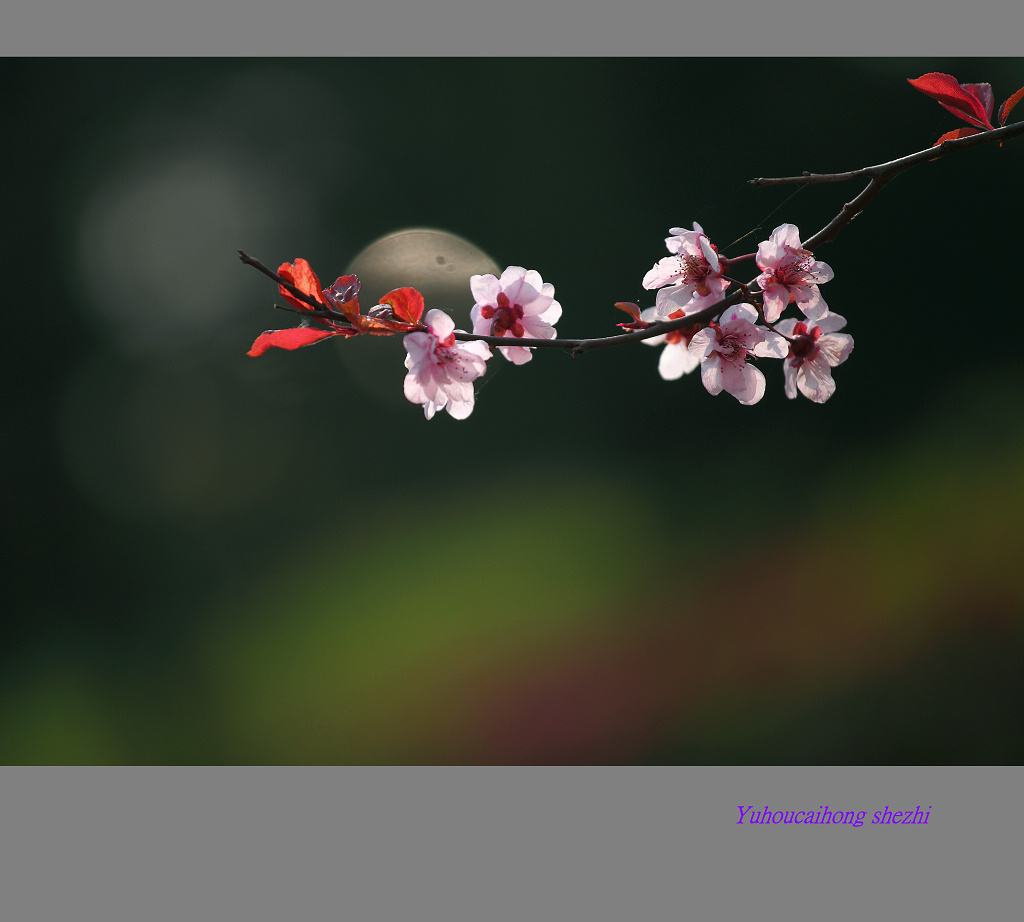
{"x": 218, "y": 559}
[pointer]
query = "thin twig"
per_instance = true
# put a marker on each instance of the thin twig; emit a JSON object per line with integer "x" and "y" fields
{"x": 301, "y": 295}
{"x": 895, "y": 166}
{"x": 882, "y": 173}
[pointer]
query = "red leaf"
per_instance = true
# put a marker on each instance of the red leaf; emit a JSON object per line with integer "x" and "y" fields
{"x": 290, "y": 339}
{"x": 406, "y": 303}
{"x": 343, "y": 295}
{"x": 983, "y": 93}
{"x": 956, "y": 134}
{"x": 379, "y": 323}
{"x": 302, "y": 276}
{"x": 962, "y": 100}
{"x": 1006, "y": 107}
{"x": 399, "y": 311}
{"x": 632, "y": 309}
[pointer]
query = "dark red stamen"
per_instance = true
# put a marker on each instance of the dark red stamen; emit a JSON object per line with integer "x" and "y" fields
{"x": 804, "y": 342}
{"x": 506, "y": 317}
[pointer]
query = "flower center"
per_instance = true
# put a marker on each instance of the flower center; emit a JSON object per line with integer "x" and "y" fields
{"x": 729, "y": 347}
{"x": 804, "y": 344}
{"x": 695, "y": 270}
{"x": 505, "y": 317}
{"x": 444, "y": 349}
{"x": 795, "y": 268}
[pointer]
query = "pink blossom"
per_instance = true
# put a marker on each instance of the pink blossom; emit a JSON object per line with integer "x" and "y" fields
{"x": 813, "y": 352}
{"x": 693, "y": 274}
{"x": 441, "y": 370}
{"x": 723, "y": 349}
{"x": 790, "y": 273}
{"x": 519, "y": 304}
{"x": 676, "y": 359}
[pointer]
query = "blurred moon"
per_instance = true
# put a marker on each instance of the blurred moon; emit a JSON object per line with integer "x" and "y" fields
{"x": 437, "y": 264}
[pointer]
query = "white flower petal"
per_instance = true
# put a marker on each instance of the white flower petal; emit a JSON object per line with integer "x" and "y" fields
{"x": 672, "y": 299}
{"x": 535, "y": 328}
{"x": 533, "y": 279}
{"x": 676, "y": 361}
{"x": 835, "y": 348}
{"x": 703, "y": 343}
{"x": 773, "y": 347}
{"x": 481, "y": 352}
{"x": 810, "y": 301}
{"x": 517, "y": 355}
{"x": 464, "y": 364}
{"x": 481, "y": 326}
{"x": 458, "y": 390}
{"x": 830, "y": 323}
{"x": 786, "y": 235}
{"x": 744, "y": 382}
{"x": 814, "y": 379}
{"x": 711, "y": 372}
{"x": 776, "y": 298}
{"x": 485, "y": 289}
{"x": 709, "y": 254}
{"x": 439, "y": 323}
{"x": 460, "y": 409}
{"x": 419, "y": 346}
{"x": 820, "y": 272}
{"x": 420, "y": 390}
{"x": 510, "y": 276}
{"x": 789, "y": 375}
{"x": 665, "y": 271}
{"x": 414, "y": 391}
{"x": 739, "y": 313}
{"x": 552, "y": 315}
{"x": 769, "y": 255}
{"x": 683, "y": 240}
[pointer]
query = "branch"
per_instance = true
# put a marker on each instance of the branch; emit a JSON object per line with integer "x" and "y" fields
{"x": 318, "y": 308}
{"x": 579, "y": 346}
{"x": 576, "y": 346}
{"x": 895, "y": 166}
{"x": 882, "y": 173}
{"x": 879, "y": 175}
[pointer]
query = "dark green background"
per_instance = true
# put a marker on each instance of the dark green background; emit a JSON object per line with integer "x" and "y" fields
{"x": 212, "y": 558}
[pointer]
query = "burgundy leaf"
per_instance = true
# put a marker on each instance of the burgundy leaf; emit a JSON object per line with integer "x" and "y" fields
{"x": 954, "y": 97}
{"x": 294, "y": 338}
{"x": 1006, "y": 107}
{"x": 956, "y": 134}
